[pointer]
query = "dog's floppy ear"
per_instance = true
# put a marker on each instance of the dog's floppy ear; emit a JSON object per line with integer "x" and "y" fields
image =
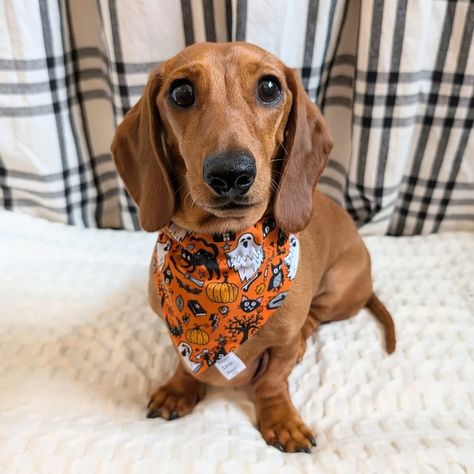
{"x": 139, "y": 156}
{"x": 308, "y": 143}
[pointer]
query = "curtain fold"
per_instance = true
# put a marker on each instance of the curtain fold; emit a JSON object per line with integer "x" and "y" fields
{"x": 395, "y": 80}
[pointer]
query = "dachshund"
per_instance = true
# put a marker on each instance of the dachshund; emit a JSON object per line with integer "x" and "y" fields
{"x": 223, "y": 136}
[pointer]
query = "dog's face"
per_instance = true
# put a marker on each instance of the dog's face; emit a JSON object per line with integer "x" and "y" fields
{"x": 223, "y": 133}
{"x": 224, "y": 111}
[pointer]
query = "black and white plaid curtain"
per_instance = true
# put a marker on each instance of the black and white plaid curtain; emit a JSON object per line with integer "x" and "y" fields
{"x": 394, "y": 78}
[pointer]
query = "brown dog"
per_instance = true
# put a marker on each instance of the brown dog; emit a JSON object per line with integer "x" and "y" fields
{"x": 230, "y": 102}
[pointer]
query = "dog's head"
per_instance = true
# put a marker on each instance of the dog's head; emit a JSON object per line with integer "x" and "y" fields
{"x": 223, "y": 133}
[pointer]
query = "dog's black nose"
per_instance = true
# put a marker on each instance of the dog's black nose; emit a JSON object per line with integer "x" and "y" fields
{"x": 230, "y": 174}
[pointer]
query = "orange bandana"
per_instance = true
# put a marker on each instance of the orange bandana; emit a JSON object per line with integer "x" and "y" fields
{"x": 218, "y": 290}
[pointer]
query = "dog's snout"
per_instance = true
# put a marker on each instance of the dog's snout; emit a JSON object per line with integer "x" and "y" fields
{"x": 230, "y": 174}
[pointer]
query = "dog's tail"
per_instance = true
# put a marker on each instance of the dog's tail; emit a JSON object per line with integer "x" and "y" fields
{"x": 385, "y": 318}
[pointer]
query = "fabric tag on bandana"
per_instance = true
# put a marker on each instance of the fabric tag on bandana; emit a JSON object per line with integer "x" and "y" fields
{"x": 230, "y": 366}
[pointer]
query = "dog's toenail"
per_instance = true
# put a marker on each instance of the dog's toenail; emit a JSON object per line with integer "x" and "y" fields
{"x": 173, "y": 415}
{"x": 300, "y": 449}
{"x": 312, "y": 441}
{"x": 153, "y": 414}
{"x": 278, "y": 446}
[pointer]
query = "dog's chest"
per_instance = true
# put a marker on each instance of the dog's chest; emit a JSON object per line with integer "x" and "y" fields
{"x": 218, "y": 291}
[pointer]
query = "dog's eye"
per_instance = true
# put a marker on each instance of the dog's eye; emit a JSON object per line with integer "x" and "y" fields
{"x": 269, "y": 90}
{"x": 182, "y": 93}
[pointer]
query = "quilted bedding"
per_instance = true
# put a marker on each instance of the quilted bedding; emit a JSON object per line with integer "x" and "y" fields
{"x": 80, "y": 353}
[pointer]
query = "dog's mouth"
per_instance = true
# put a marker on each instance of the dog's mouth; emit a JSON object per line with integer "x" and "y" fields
{"x": 229, "y": 205}
{"x": 233, "y": 205}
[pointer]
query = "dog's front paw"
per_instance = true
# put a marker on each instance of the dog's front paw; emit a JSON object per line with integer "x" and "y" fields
{"x": 287, "y": 432}
{"x": 171, "y": 401}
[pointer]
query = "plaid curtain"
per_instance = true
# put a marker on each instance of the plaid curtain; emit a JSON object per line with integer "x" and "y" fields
{"x": 395, "y": 80}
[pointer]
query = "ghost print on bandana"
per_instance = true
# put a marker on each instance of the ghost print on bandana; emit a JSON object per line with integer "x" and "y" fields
{"x": 247, "y": 257}
{"x": 217, "y": 291}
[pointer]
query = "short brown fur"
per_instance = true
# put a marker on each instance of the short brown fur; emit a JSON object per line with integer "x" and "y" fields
{"x": 160, "y": 149}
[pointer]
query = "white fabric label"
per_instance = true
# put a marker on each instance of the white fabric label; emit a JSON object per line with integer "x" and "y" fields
{"x": 230, "y": 366}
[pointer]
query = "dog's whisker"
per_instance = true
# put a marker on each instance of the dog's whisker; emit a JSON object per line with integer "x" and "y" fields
{"x": 277, "y": 173}
{"x": 180, "y": 178}
{"x": 274, "y": 160}
{"x": 274, "y": 185}
{"x": 284, "y": 149}
{"x": 188, "y": 196}
{"x": 180, "y": 188}
{"x": 194, "y": 199}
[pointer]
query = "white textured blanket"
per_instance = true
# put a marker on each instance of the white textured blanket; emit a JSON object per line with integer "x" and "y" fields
{"x": 80, "y": 353}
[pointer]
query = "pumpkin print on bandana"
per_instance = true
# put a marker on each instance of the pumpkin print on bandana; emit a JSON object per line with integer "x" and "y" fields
{"x": 217, "y": 290}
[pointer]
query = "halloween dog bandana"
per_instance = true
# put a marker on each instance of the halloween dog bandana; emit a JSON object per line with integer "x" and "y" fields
{"x": 217, "y": 290}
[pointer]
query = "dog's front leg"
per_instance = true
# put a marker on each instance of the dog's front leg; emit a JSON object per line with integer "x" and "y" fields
{"x": 278, "y": 420}
{"x": 177, "y": 397}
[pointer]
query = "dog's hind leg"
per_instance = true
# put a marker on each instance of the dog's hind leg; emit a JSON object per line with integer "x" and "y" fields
{"x": 310, "y": 325}
{"x": 344, "y": 290}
